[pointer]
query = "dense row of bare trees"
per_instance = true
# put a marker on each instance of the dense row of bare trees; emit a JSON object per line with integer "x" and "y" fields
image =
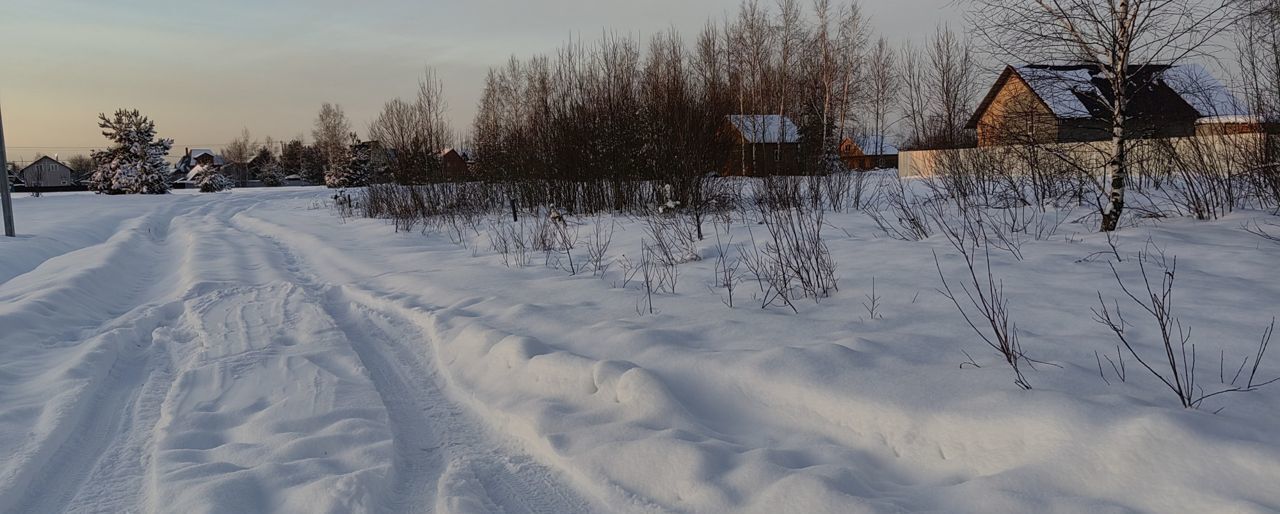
{"x": 416, "y": 131}
{"x": 610, "y": 111}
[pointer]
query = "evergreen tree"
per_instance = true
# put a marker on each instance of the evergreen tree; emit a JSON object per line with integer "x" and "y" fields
{"x": 135, "y": 163}
{"x": 272, "y": 175}
{"x": 210, "y": 179}
{"x": 313, "y": 165}
{"x": 366, "y": 163}
{"x": 291, "y": 157}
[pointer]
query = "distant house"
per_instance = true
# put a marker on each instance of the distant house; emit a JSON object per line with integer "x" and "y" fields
{"x": 868, "y": 153}
{"x": 765, "y": 144}
{"x": 46, "y": 172}
{"x": 1048, "y": 104}
{"x": 454, "y": 164}
{"x": 183, "y": 172}
{"x": 197, "y": 157}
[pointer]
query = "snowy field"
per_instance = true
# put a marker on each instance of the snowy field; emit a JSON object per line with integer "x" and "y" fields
{"x": 254, "y": 352}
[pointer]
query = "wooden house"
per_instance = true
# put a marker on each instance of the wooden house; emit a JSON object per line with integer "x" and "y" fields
{"x": 46, "y": 172}
{"x": 868, "y": 153}
{"x": 1061, "y": 104}
{"x": 454, "y": 164}
{"x": 764, "y": 144}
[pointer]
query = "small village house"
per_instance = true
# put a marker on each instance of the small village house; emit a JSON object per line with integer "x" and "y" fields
{"x": 454, "y": 164}
{"x": 764, "y": 144}
{"x": 46, "y": 172}
{"x": 868, "y": 153}
{"x": 183, "y": 172}
{"x": 1067, "y": 104}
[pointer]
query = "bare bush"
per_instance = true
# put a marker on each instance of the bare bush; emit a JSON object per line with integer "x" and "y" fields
{"x": 512, "y": 242}
{"x": 985, "y": 307}
{"x": 986, "y": 300}
{"x": 726, "y": 268}
{"x": 658, "y": 276}
{"x": 1176, "y": 365}
{"x": 674, "y": 236}
{"x": 1202, "y": 181}
{"x": 899, "y": 213}
{"x": 598, "y": 246}
{"x": 794, "y": 262}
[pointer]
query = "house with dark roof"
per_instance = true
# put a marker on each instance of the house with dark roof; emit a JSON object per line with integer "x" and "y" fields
{"x": 764, "y": 144}
{"x": 182, "y": 175}
{"x": 1061, "y": 104}
{"x": 454, "y": 164}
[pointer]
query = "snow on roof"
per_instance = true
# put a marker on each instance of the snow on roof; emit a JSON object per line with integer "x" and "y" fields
{"x": 1202, "y": 91}
{"x": 1058, "y": 88}
{"x": 199, "y": 152}
{"x": 1233, "y": 119}
{"x": 765, "y": 128}
{"x": 872, "y": 145}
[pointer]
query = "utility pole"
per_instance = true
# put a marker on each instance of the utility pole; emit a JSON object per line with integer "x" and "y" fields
{"x": 6, "y": 201}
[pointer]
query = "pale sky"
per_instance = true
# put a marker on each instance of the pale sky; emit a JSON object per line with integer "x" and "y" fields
{"x": 205, "y": 70}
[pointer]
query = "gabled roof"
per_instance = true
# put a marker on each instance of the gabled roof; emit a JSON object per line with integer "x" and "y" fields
{"x": 44, "y": 159}
{"x": 196, "y": 153}
{"x": 1080, "y": 92}
{"x": 1060, "y": 89}
{"x": 765, "y": 128}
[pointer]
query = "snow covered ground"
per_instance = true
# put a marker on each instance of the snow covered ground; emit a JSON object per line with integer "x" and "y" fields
{"x": 253, "y": 352}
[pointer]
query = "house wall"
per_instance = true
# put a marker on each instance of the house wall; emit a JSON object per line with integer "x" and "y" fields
{"x": 454, "y": 166}
{"x": 1017, "y": 116}
{"x": 757, "y": 160}
{"x": 46, "y": 174}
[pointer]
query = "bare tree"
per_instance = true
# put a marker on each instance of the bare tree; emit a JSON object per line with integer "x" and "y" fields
{"x": 1121, "y": 39}
{"x": 81, "y": 164}
{"x": 852, "y": 34}
{"x": 241, "y": 149}
{"x": 332, "y": 133}
{"x": 952, "y": 84}
{"x": 882, "y": 89}
{"x": 915, "y": 97}
{"x": 417, "y": 131}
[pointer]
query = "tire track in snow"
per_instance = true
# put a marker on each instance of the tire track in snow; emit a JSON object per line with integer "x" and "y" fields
{"x": 106, "y": 404}
{"x": 98, "y": 452}
{"x": 436, "y": 442}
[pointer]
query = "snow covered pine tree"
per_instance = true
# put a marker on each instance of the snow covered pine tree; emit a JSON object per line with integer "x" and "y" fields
{"x": 359, "y": 170}
{"x": 135, "y": 162}
{"x": 210, "y": 179}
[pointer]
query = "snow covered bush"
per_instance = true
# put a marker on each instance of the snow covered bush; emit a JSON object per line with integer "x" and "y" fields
{"x": 135, "y": 162}
{"x": 367, "y": 165}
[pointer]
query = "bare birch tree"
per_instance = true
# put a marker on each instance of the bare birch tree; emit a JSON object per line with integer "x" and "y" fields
{"x": 1119, "y": 38}
{"x": 882, "y": 89}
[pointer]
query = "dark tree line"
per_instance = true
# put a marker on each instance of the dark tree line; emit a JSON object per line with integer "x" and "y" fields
{"x": 614, "y": 112}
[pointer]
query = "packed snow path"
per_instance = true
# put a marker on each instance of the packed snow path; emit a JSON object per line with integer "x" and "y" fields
{"x": 191, "y": 365}
{"x": 256, "y": 352}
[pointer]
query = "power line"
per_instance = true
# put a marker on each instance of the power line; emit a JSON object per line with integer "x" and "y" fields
{"x": 97, "y": 147}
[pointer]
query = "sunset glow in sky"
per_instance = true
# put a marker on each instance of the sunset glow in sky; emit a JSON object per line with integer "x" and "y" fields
{"x": 205, "y": 70}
